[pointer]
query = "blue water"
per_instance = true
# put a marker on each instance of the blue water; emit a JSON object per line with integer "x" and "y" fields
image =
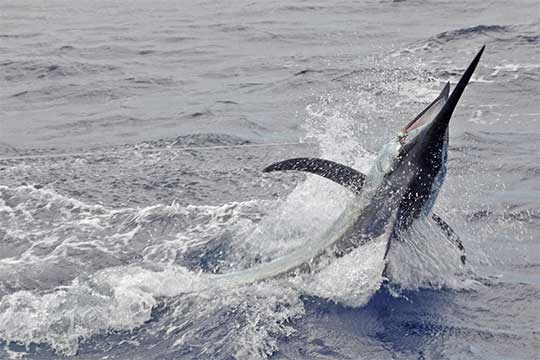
{"x": 132, "y": 138}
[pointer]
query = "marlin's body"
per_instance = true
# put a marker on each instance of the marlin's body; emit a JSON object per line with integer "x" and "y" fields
{"x": 400, "y": 188}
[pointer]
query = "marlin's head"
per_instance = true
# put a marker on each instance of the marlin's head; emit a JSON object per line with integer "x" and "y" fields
{"x": 414, "y": 163}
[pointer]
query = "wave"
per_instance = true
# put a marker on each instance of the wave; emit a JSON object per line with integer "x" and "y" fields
{"x": 472, "y": 31}
{"x": 16, "y": 71}
{"x": 494, "y": 35}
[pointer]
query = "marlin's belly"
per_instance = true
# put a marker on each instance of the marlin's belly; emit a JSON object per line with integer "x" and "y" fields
{"x": 349, "y": 231}
{"x": 302, "y": 256}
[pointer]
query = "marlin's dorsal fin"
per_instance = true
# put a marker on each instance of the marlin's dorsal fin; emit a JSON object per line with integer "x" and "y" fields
{"x": 344, "y": 175}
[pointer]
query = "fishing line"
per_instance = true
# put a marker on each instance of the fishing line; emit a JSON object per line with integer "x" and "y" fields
{"x": 148, "y": 151}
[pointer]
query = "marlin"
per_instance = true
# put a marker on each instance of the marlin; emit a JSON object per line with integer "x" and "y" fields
{"x": 400, "y": 188}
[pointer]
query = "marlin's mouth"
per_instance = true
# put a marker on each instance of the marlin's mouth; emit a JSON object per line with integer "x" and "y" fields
{"x": 427, "y": 115}
{"x": 434, "y": 120}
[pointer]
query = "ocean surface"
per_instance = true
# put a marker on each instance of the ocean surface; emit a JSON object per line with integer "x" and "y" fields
{"x": 132, "y": 138}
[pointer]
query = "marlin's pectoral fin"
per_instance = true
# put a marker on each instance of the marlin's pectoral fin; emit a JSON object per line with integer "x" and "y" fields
{"x": 344, "y": 175}
{"x": 450, "y": 234}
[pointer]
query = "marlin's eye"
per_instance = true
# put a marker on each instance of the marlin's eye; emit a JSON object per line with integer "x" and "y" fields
{"x": 402, "y": 137}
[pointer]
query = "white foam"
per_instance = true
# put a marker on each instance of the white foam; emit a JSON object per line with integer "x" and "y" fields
{"x": 513, "y": 68}
{"x": 350, "y": 280}
{"x": 416, "y": 92}
{"x": 119, "y": 298}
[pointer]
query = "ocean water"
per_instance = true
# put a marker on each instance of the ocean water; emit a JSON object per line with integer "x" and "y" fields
{"x": 132, "y": 138}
